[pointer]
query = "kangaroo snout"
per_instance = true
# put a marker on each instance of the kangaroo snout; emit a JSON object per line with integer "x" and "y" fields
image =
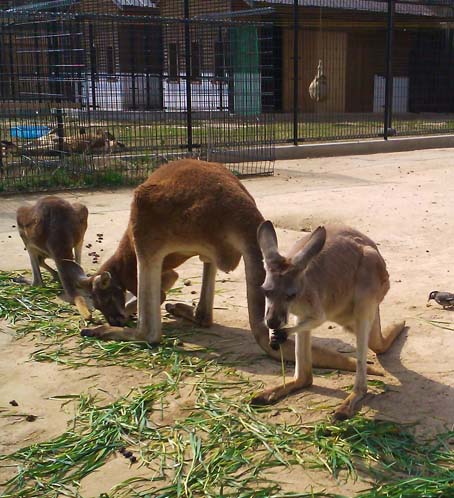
{"x": 275, "y": 321}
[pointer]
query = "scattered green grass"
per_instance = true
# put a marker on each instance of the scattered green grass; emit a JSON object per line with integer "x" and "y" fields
{"x": 218, "y": 445}
{"x": 415, "y": 487}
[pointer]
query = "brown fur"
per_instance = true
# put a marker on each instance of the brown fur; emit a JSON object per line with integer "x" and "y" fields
{"x": 53, "y": 228}
{"x": 336, "y": 274}
{"x": 187, "y": 208}
{"x": 102, "y": 142}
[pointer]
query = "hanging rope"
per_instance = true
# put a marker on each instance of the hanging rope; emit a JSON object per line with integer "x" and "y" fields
{"x": 318, "y": 89}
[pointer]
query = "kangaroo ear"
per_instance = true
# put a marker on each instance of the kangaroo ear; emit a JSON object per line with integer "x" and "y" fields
{"x": 103, "y": 281}
{"x": 313, "y": 246}
{"x": 267, "y": 239}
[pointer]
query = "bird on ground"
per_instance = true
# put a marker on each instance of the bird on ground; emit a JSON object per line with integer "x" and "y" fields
{"x": 445, "y": 299}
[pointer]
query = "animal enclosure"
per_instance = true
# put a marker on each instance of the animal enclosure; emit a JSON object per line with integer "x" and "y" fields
{"x": 102, "y": 93}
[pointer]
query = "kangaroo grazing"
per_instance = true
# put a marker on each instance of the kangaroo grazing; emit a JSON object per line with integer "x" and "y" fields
{"x": 185, "y": 208}
{"x": 336, "y": 274}
{"x": 54, "y": 228}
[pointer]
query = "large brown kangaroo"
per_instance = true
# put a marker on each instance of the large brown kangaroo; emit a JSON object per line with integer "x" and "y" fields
{"x": 186, "y": 208}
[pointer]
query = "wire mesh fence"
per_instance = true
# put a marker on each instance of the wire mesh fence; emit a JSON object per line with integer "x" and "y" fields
{"x": 102, "y": 93}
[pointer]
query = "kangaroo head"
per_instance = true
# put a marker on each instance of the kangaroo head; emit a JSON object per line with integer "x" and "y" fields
{"x": 284, "y": 279}
{"x": 109, "y": 298}
{"x": 107, "y": 295}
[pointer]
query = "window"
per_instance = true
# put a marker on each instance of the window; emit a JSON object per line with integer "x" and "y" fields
{"x": 110, "y": 61}
{"x": 173, "y": 61}
{"x": 195, "y": 60}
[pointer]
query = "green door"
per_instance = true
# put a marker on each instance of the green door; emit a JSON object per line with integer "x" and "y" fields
{"x": 247, "y": 96}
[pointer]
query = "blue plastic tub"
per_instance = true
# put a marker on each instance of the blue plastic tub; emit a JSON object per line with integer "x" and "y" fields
{"x": 29, "y": 131}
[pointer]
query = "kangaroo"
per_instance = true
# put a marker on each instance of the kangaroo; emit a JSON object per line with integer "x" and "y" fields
{"x": 186, "y": 208}
{"x": 102, "y": 142}
{"x": 337, "y": 274}
{"x": 54, "y": 228}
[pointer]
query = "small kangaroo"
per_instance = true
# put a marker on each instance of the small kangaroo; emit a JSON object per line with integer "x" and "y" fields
{"x": 336, "y": 274}
{"x": 185, "y": 208}
{"x": 54, "y": 228}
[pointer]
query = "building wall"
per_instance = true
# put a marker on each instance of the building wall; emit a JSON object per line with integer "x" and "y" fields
{"x": 366, "y": 61}
{"x": 331, "y": 48}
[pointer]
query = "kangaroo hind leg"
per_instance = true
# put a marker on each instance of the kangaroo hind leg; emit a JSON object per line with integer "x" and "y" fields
{"x": 204, "y": 312}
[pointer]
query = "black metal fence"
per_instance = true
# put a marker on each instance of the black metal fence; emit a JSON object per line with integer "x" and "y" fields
{"x": 102, "y": 93}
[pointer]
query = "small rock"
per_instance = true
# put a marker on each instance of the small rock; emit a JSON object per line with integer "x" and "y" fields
{"x": 13, "y": 226}
{"x": 31, "y": 418}
{"x": 13, "y": 402}
{"x": 88, "y": 246}
{"x": 9, "y": 236}
{"x": 193, "y": 292}
{"x": 187, "y": 282}
{"x": 133, "y": 459}
{"x": 127, "y": 454}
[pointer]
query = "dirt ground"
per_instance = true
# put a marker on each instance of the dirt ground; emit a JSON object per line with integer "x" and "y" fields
{"x": 401, "y": 200}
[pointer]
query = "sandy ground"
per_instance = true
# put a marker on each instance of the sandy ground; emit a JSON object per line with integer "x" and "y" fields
{"x": 401, "y": 200}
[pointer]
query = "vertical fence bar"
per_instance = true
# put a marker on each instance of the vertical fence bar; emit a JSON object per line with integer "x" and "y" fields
{"x": 389, "y": 71}
{"x": 60, "y": 130}
{"x": 37, "y": 65}
{"x": 187, "y": 57}
{"x": 295, "y": 72}
{"x": 11, "y": 63}
{"x": 93, "y": 62}
{"x": 132, "y": 39}
{"x": 3, "y": 95}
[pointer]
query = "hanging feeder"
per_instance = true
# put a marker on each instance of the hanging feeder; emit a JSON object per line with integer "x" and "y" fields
{"x": 318, "y": 89}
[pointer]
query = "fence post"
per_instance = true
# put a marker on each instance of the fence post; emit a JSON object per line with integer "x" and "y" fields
{"x": 93, "y": 62}
{"x": 295, "y": 72}
{"x": 389, "y": 72}
{"x": 132, "y": 40}
{"x": 11, "y": 63}
{"x": 60, "y": 131}
{"x": 187, "y": 56}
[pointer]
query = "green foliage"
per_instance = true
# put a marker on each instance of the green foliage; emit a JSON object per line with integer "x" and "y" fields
{"x": 219, "y": 445}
